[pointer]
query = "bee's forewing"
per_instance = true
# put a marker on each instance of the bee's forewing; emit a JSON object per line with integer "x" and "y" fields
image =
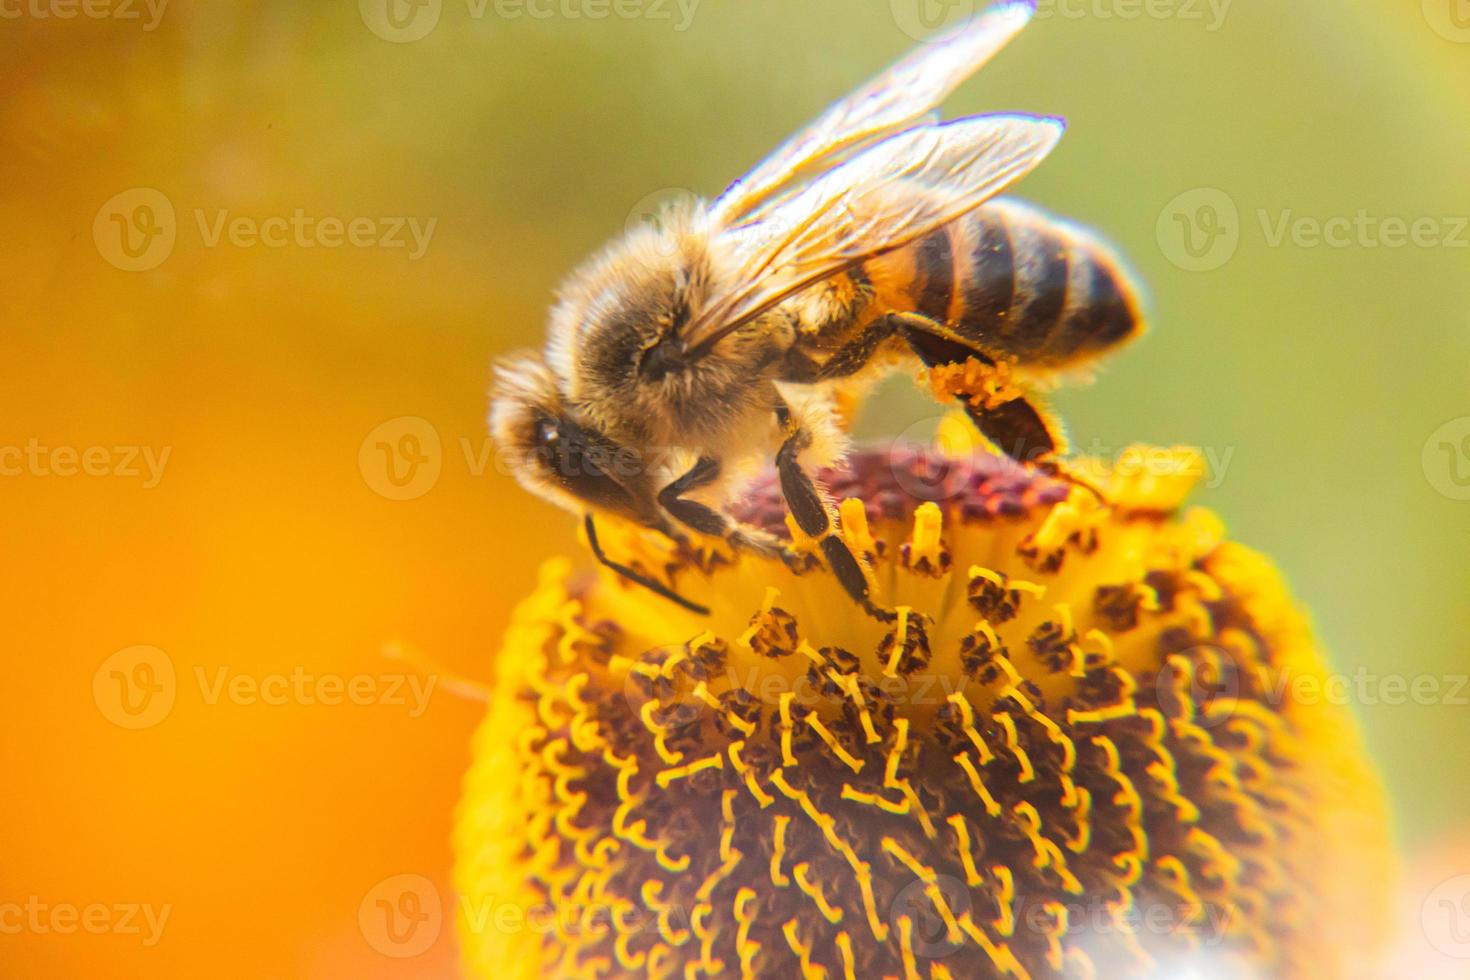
{"x": 852, "y": 212}
{"x": 892, "y": 101}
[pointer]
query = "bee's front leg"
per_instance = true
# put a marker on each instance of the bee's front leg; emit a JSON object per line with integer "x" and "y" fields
{"x": 708, "y": 521}
{"x": 814, "y": 516}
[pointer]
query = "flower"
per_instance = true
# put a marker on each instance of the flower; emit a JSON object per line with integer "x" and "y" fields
{"x": 1078, "y": 750}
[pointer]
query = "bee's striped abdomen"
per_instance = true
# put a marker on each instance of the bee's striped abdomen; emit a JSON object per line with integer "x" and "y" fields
{"x": 1103, "y": 310}
{"x": 1043, "y": 263}
{"x": 1036, "y": 288}
{"x": 989, "y": 275}
{"x": 1009, "y": 278}
{"x": 934, "y": 274}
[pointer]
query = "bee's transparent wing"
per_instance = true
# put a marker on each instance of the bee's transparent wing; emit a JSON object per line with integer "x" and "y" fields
{"x": 852, "y": 211}
{"x": 892, "y": 101}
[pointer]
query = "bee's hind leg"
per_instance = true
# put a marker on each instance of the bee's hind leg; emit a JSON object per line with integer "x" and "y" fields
{"x": 1024, "y": 433}
{"x": 813, "y": 515}
{"x": 1017, "y": 426}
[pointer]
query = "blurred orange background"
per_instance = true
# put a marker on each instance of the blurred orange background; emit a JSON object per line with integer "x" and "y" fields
{"x": 273, "y": 549}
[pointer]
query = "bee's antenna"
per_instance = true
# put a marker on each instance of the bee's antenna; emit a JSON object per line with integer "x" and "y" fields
{"x": 657, "y": 588}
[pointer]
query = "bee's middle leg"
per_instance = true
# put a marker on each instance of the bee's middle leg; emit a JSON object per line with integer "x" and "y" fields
{"x": 814, "y": 517}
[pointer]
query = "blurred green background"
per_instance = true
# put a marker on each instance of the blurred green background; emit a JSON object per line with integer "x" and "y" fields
{"x": 1331, "y": 383}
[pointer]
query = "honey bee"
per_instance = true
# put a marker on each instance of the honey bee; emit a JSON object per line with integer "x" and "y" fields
{"x": 691, "y": 351}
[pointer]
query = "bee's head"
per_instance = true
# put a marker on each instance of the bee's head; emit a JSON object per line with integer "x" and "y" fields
{"x": 615, "y": 336}
{"x": 557, "y": 454}
{"x": 618, "y": 340}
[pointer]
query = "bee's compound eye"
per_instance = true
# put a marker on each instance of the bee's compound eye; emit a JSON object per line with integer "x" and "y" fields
{"x": 577, "y": 459}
